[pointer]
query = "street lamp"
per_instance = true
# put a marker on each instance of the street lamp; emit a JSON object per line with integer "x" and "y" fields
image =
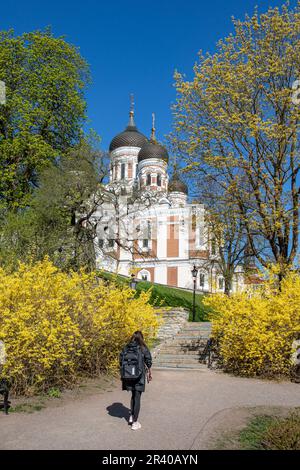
{"x": 60, "y": 251}
{"x": 194, "y": 274}
{"x": 133, "y": 282}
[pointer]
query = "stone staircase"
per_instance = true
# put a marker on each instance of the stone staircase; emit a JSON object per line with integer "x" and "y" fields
{"x": 184, "y": 349}
{"x": 173, "y": 322}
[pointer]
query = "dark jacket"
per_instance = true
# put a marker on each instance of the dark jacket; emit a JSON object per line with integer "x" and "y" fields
{"x": 139, "y": 384}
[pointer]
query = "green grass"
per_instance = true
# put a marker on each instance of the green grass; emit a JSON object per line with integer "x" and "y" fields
{"x": 27, "y": 408}
{"x": 266, "y": 432}
{"x": 251, "y": 437}
{"x": 54, "y": 392}
{"x": 165, "y": 296}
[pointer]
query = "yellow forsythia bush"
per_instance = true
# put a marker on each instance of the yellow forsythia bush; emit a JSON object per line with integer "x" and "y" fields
{"x": 58, "y": 326}
{"x": 255, "y": 333}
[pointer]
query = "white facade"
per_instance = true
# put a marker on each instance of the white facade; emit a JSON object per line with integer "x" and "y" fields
{"x": 149, "y": 228}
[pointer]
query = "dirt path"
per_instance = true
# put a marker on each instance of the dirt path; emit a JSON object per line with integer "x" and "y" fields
{"x": 180, "y": 410}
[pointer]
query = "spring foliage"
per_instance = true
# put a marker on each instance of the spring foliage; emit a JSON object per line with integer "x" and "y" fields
{"x": 44, "y": 111}
{"x": 58, "y": 326}
{"x": 255, "y": 333}
{"x": 237, "y": 125}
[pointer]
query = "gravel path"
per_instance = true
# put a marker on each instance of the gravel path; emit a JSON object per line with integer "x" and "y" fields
{"x": 177, "y": 409}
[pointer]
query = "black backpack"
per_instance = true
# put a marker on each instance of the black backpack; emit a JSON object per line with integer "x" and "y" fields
{"x": 132, "y": 365}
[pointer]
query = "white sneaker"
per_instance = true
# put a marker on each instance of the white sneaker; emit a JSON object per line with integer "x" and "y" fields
{"x": 130, "y": 421}
{"x": 135, "y": 426}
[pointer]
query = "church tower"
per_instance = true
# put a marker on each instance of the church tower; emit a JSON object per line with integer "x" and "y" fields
{"x": 152, "y": 165}
{"x": 124, "y": 149}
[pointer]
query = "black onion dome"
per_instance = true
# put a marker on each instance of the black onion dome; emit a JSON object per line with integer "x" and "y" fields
{"x": 152, "y": 149}
{"x": 176, "y": 185}
{"x": 131, "y": 137}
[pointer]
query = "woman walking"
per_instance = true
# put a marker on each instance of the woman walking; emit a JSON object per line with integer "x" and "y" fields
{"x": 135, "y": 364}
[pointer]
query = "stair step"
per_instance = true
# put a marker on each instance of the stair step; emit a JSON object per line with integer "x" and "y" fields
{"x": 176, "y": 351}
{"x": 178, "y": 357}
{"x": 177, "y": 343}
{"x": 197, "y": 327}
{"x": 178, "y": 364}
{"x": 187, "y": 341}
{"x": 202, "y": 367}
{"x": 186, "y": 345}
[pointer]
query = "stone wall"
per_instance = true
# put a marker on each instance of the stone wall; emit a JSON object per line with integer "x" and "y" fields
{"x": 174, "y": 320}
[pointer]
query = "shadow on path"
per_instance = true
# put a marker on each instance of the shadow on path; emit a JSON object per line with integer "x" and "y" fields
{"x": 118, "y": 410}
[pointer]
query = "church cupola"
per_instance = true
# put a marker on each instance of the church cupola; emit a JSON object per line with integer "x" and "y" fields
{"x": 152, "y": 164}
{"x": 178, "y": 190}
{"x": 124, "y": 149}
{"x": 130, "y": 137}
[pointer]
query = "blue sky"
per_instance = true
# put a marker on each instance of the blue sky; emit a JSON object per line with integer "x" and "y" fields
{"x": 132, "y": 47}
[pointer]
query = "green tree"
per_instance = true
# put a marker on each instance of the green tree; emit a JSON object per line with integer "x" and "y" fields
{"x": 237, "y": 122}
{"x": 44, "y": 110}
{"x": 59, "y": 221}
{"x": 227, "y": 233}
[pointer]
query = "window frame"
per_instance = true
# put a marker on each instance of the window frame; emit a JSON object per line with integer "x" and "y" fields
{"x": 123, "y": 171}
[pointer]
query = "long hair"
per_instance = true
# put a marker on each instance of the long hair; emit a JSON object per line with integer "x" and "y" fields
{"x": 139, "y": 338}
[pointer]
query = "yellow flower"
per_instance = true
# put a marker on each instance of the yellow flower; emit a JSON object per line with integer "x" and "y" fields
{"x": 56, "y": 326}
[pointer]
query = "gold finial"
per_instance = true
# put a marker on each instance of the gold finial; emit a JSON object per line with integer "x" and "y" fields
{"x": 153, "y": 127}
{"x": 131, "y": 104}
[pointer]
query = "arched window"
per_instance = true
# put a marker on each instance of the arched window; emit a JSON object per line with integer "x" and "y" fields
{"x": 122, "y": 171}
{"x": 221, "y": 283}
{"x": 148, "y": 179}
{"x": 202, "y": 279}
{"x": 158, "y": 179}
{"x": 144, "y": 275}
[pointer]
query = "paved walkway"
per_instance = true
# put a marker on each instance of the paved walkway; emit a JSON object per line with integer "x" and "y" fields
{"x": 177, "y": 408}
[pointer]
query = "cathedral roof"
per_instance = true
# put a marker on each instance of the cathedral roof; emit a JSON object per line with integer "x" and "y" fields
{"x": 153, "y": 149}
{"x": 176, "y": 185}
{"x": 130, "y": 137}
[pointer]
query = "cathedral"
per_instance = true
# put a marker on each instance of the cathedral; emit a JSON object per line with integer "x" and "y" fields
{"x": 146, "y": 225}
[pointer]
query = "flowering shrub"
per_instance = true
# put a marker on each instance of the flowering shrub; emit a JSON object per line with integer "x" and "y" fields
{"x": 56, "y": 326}
{"x": 255, "y": 333}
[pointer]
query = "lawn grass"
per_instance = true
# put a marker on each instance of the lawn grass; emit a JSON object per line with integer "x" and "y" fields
{"x": 251, "y": 437}
{"x": 266, "y": 432}
{"x": 165, "y": 295}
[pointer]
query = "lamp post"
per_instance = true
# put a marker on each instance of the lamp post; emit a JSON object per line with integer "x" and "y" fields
{"x": 194, "y": 274}
{"x": 60, "y": 251}
{"x": 133, "y": 282}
